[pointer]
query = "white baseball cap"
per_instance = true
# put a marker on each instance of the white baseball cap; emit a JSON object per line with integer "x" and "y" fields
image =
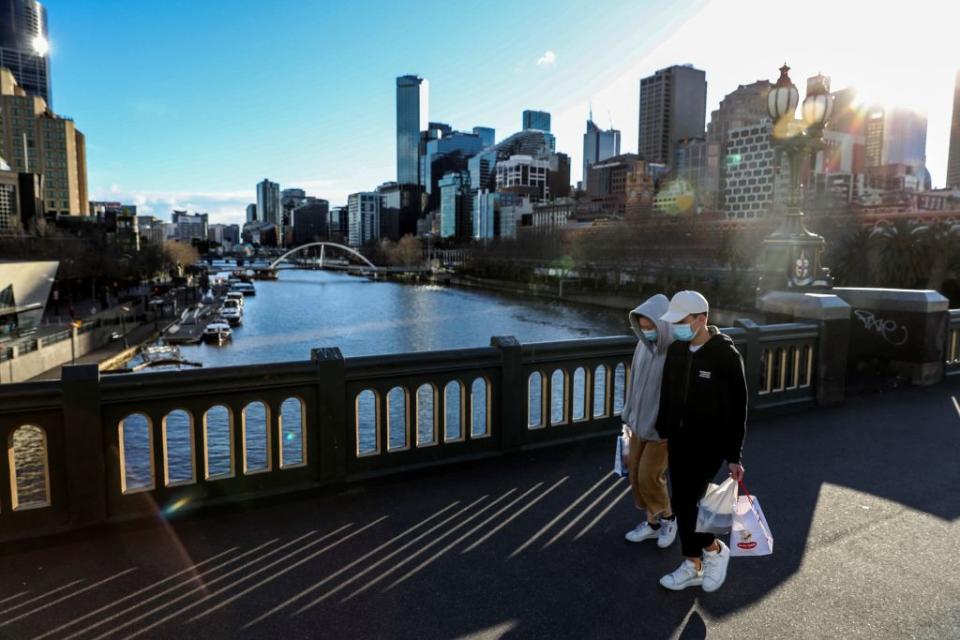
{"x": 683, "y": 304}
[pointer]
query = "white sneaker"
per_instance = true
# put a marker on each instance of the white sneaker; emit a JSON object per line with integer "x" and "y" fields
{"x": 715, "y": 567}
{"x": 685, "y": 576}
{"x": 643, "y": 531}
{"x": 667, "y": 533}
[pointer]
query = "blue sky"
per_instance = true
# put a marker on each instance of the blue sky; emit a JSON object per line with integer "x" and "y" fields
{"x": 189, "y": 104}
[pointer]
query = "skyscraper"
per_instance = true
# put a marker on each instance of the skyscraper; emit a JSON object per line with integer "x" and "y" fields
{"x": 488, "y": 135}
{"x": 363, "y": 218}
{"x": 598, "y": 145}
{"x": 953, "y": 163}
{"x": 252, "y": 212}
{"x": 673, "y": 106}
{"x": 896, "y": 136}
{"x": 268, "y": 204}
{"x": 412, "y": 118}
{"x": 536, "y": 120}
{"x": 24, "y": 46}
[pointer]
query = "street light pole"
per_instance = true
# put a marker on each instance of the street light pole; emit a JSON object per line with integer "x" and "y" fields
{"x": 792, "y": 254}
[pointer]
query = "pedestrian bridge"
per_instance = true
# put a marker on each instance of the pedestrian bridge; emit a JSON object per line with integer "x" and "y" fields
{"x": 458, "y": 494}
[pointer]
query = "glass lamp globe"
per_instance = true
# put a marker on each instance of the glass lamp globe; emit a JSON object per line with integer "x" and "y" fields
{"x": 783, "y": 98}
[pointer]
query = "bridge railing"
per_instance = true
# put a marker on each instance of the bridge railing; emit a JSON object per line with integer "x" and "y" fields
{"x": 85, "y": 450}
{"x": 952, "y": 364}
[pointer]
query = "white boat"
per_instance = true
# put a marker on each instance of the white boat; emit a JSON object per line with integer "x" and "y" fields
{"x": 235, "y": 295}
{"x": 233, "y": 315}
{"x": 217, "y": 333}
{"x": 246, "y": 288}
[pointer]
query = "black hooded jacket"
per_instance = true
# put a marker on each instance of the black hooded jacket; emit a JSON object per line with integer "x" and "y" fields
{"x": 703, "y": 398}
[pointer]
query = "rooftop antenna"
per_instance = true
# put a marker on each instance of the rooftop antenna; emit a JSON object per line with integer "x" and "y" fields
{"x": 590, "y": 117}
{"x": 610, "y": 118}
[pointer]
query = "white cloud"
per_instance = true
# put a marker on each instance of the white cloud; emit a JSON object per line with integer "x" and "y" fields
{"x": 548, "y": 59}
{"x": 227, "y": 207}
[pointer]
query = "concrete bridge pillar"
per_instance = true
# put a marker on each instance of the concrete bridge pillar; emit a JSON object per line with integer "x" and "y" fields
{"x": 905, "y": 328}
{"x": 832, "y": 316}
{"x": 83, "y": 435}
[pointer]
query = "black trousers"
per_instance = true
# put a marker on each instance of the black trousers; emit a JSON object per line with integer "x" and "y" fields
{"x": 691, "y": 470}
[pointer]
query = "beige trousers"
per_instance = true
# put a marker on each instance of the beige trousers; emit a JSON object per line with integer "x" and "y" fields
{"x": 647, "y": 463}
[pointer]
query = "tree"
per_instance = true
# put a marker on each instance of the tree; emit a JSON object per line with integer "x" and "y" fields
{"x": 408, "y": 252}
{"x": 180, "y": 255}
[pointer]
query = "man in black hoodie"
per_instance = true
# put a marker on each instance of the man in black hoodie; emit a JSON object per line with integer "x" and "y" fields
{"x": 703, "y": 411}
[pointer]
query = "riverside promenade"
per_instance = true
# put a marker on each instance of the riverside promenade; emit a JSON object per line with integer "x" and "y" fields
{"x": 862, "y": 500}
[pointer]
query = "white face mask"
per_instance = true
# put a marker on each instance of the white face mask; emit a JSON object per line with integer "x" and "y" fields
{"x": 650, "y": 334}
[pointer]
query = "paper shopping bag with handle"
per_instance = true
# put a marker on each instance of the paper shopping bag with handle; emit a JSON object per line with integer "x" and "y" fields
{"x": 715, "y": 511}
{"x": 750, "y": 535}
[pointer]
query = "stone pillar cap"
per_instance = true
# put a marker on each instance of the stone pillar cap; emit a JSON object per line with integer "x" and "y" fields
{"x": 923, "y": 300}
{"x": 814, "y": 306}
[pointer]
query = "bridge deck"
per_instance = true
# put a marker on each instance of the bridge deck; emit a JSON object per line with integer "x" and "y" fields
{"x": 862, "y": 500}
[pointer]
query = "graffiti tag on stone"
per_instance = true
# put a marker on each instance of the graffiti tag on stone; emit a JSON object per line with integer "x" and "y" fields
{"x": 894, "y": 333}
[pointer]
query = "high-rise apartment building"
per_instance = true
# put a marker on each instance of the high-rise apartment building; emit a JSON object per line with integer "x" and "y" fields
{"x": 24, "y": 46}
{"x": 598, "y": 145}
{"x": 525, "y": 176}
{"x": 268, "y": 204}
{"x": 412, "y": 118}
{"x": 750, "y": 182}
{"x": 673, "y": 106}
{"x": 363, "y": 218}
{"x": 539, "y": 120}
{"x": 33, "y": 139}
{"x": 953, "y": 161}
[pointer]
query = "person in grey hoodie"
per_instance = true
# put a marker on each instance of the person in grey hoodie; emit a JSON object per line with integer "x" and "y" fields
{"x": 647, "y": 458}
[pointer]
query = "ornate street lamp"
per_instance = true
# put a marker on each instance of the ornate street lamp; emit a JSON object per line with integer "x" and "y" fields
{"x": 791, "y": 254}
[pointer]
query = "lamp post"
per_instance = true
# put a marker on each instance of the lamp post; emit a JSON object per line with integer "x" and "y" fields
{"x": 791, "y": 254}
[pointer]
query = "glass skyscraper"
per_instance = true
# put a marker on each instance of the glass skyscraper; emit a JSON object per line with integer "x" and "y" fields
{"x": 24, "y": 46}
{"x": 268, "y": 204}
{"x": 536, "y": 120}
{"x": 412, "y": 118}
{"x": 598, "y": 145}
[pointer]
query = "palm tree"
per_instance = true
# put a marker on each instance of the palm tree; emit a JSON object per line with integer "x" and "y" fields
{"x": 901, "y": 256}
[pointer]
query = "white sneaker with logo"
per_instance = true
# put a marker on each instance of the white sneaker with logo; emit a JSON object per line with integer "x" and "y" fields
{"x": 685, "y": 576}
{"x": 667, "y": 533}
{"x": 715, "y": 567}
{"x": 641, "y": 532}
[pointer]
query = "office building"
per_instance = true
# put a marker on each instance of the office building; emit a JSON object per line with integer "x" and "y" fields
{"x": 310, "y": 221}
{"x": 487, "y": 135}
{"x": 251, "y": 212}
{"x": 455, "y": 205}
{"x": 744, "y": 107}
{"x": 190, "y": 227}
{"x": 338, "y": 224}
{"x": 525, "y": 176}
{"x": 261, "y": 234}
{"x": 9, "y": 200}
{"x": 290, "y": 199}
{"x": 399, "y": 209}
{"x": 619, "y": 183}
{"x": 953, "y": 162}
{"x": 598, "y": 145}
{"x": 226, "y": 236}
{"x": 33, "y": 139}
{"x": 269, "y": 208}
{"x": 750, "y": 184}
{"x": 539, "y": 120}
{"x": 453, "y": 144}
{"x": 412, "y": 118}
{"x": 24, "y": 46}
{"x": 363, "y": 224}
{"x": 673, "y": 106}
{"x": 896, "y": 136}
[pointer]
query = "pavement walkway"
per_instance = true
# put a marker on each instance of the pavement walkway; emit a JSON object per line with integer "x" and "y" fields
{"x": 862, "y": 499}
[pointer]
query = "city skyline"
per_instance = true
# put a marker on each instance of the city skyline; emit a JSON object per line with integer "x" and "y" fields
{"x": 201, "y": 136}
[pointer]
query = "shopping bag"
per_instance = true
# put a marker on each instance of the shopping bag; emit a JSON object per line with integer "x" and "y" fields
{"x": 715, "y": 511}
{"x": 750, "y": 535}
{"x": 623, "y": 450}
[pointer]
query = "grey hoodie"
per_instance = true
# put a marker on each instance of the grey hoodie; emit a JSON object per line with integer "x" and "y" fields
{"x": 643, "y": 395}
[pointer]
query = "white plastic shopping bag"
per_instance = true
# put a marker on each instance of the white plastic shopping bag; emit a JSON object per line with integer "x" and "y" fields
{"x": 623, "y": 450}
{"x": 715, "y": 513}
{"x": 750, "y": 535}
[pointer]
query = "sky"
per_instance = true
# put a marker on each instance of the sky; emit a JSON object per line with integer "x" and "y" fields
{"x": 189, "y": 104}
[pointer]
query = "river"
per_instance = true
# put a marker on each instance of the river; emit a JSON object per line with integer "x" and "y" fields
{"x": 307, "y": 309}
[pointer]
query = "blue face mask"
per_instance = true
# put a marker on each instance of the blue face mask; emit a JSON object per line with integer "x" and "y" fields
{"x": 683, "y": 332}
{"x": 650, "y": 334}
